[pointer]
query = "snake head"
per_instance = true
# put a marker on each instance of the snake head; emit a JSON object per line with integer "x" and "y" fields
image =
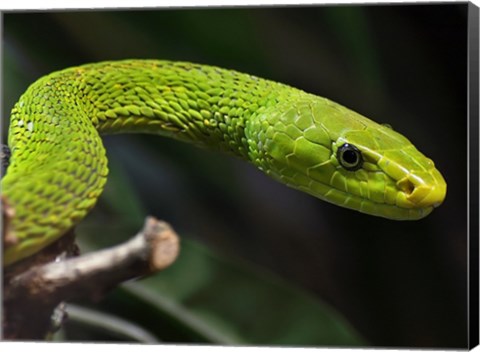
{"x": 335, "y": 154}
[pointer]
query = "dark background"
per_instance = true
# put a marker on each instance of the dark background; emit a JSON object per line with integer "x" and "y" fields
{"x": 396, "y": 283}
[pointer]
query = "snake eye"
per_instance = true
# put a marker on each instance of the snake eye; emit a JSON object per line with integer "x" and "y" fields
{"x": 349, "y": 157}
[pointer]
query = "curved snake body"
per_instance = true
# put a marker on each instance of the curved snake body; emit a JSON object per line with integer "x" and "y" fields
{"x": 58, "y": 165}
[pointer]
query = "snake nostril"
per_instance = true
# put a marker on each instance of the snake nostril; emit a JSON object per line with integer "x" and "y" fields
{"x": 406, "y": 186}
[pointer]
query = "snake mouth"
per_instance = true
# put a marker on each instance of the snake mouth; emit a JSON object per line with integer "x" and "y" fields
{"x": 406, "y": 195}
{"x": 392, "y": 211}
{"x": 410, "y": 196}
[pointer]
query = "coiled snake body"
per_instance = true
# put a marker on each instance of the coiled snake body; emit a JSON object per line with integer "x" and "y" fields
{"x": 58, "y": 165}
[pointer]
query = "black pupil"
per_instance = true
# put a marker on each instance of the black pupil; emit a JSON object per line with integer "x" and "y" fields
{"x": 350, "y": 156}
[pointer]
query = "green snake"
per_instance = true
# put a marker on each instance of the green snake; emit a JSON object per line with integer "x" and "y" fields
{"x": 58, "y": 165}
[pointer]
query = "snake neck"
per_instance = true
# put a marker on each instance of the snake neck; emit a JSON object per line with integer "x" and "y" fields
{"x": 204, "y": 105}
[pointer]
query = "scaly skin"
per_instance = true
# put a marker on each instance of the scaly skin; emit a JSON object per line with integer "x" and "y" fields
{"x": 58, "y": 165}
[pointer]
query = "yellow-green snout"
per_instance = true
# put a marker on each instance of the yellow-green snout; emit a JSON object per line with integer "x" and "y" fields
{"x": 299, "y": 145}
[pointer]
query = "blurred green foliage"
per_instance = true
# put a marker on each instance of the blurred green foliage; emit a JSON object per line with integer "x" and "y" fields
{"x": 261, "y": 263}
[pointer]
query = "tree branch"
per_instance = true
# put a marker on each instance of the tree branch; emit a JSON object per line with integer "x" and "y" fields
{"x": 30, "y": 296}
